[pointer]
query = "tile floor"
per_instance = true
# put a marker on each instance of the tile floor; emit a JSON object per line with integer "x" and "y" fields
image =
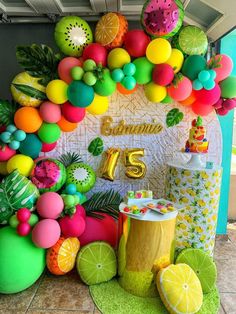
{"x": 67, "y": 295}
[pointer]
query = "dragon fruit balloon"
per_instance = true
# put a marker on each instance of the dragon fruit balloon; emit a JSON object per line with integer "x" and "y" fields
{"x": 162, "y": 18}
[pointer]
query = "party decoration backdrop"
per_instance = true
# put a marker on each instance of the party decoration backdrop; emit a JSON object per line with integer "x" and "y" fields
{"x": 158, "y": 148}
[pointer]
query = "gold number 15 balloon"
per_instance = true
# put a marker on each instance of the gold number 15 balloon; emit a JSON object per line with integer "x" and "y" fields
{"x": 136, "y": 169}
{"x": 109, "y": 167}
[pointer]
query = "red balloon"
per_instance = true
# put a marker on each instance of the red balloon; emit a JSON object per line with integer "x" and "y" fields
{"x": 48, "y": 147}
{"x": 208, "y": 97}
{"x": 201, "y": 109}
{"x": 96, "y": 52}
{"x": 72, "y": 113}
{"x": 100, "y": 230}
{"x": 65, "y": 66}
{"x": 136, "y": 42}
{"x": 163, "y": 74}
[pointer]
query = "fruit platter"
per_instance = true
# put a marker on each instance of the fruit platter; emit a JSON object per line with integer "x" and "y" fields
{"x": 134, "y": 210}
{"x": 161, "y": 206}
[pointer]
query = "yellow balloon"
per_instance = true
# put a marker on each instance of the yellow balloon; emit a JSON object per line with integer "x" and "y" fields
{"x": 56, "y": 91}
{"x": 110, "y": 163}
{"x": 176, "y": 60}
{"x": 3, "y": 168}
{"x": 24, "y": 164}
{"x": 135, "y": 168}
{"x": 154, "y": 92}
{"x": 158, "y": 51}
{"x": 117, "y": 58}
{"x": 99, "y": 105}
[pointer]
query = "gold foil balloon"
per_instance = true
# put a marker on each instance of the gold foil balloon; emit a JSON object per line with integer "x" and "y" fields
{"x": 109, "y": 167}
{"x": 136, "y": 169}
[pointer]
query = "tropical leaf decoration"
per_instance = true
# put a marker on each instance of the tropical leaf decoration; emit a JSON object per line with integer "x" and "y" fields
{"x": 96, "y": 146}
{"x": 16, "y": 191}
{"x": 30, "y": 91}
{"x": 103, "y": 202}
{"x": 7, "y": 111}
{"x": 39, "y": 61}
{"x": 174, "y": 117}
{"x": 70, "y": 158}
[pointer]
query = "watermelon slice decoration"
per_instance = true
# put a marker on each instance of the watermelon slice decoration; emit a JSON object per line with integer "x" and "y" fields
{"x": 16, "y": 191}
{"x": 49, "y": 175}
{"x": 162, "y": 18}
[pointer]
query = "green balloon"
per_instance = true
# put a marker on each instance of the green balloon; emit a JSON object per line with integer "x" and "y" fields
{"x": 193, "y": 65}
{"x": 106, "y": 86}
{"x": 13, "y": 221}
{"x": 49, "y": 132}
{"x": 228, "y": 87}
{"x": 167, "y": 100}
{"x": 21, "y": 262}
{"x": 33, "y": 220}
{"x": 31, "y": 146}
{"x": 143, "y": 73}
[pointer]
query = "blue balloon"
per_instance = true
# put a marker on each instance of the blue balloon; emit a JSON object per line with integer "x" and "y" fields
{"x": 197, "y": 85}
{"x": 71, "y": 189}
{"x": 80, "y": 94}
{"x": 117, "y": 75}
{"x": 204, "y": 76}
{"x": 129, "y": 82}
{"x": 129, "y": 69}
{"x": 209, "y": 84}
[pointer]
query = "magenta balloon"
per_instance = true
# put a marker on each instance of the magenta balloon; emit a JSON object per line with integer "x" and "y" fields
{"x": 163, "y": 74}
{"x": 65, "y": 66}
{"x": 100, "y": 230}
{"x": 201, "y": 109}
{"x": 222, "y": 111}
{"x": 218, "y": 104}
{"x": 81, "y": 211}
{"x": 229, "y": 104}
{"x": 136, "y": 42}
{"x": 208, "y": 97}
{"x": 72, "y": 226}
{"x": 72, "y": 113}
{"x": 96, "y": 52}
{"x": 48, "y": 147}
{"x": 225, "y": 66}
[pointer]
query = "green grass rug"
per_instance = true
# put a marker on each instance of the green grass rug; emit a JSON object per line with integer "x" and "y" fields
{"x": 110, "y": 298}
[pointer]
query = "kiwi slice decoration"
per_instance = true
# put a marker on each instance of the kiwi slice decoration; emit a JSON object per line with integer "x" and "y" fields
{"x": 72, "y": 35}
{"x": 82, "y": 175}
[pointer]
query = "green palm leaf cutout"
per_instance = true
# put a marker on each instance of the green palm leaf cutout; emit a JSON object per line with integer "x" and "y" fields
{"x": 7, "y": 112}
{"x": 174, "y": 117}
{"x": 39, "y": 61}
{"x": 30, "y": 91}
{"x": 70, "y": 158}
{"x": 96, "y": 146}
{"x": 103, "y": 202}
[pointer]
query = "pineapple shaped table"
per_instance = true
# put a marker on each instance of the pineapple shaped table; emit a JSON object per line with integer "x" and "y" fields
{"x": 198, "y": 189}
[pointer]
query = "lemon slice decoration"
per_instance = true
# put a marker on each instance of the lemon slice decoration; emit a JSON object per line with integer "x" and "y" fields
{"x": 180, "y": 289}
{"x": 107, "y": 29}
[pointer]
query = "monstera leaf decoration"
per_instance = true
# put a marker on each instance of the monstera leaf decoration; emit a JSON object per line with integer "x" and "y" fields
{"x": 16, "y": 191}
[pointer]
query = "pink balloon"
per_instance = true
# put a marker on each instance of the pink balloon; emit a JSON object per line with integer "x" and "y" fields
{"x": 72, "y": 113}
{"x": 136, "y": 42}
{"x": 81, "y": 211}
{"x": 72, "y": 226}
{"x": 50, "y": 112}
{"x": 50, "y": 205}
{"x": 208, "y": 97}
{"x": 100, "y": 230}
{"x": 23, "y": 229}
{"x": 65, "y": 67}
{"x": 96, "y": 52}
{"x": 225, "y": 68}
{"x": 181, "y": 90}
{"x": 229, "y": 104}
{"x": 222, "y": 111}
{"x": 201, "y": 109}
{"x": 48, "y": 147}
{"x": 218, "y": 104}
{"x": 6, "y": 153}
{"x": 46, "y": 233}
{"x": 23, "y": 214}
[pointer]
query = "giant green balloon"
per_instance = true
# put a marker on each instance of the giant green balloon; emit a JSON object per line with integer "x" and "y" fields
{"x": 228, "y": 87}
{"x": 193, "y": 65}
{"x": 21, "y": 262}
{"x": 143, "y": 74}
{"x": 106, "y": 86}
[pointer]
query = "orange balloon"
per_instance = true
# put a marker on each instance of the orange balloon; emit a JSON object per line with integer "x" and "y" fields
{"x": 125, "y": 91}
{"x": 28, "y": 119}
{"x": 189, "y": 100}
{"x": 66, "y": 126}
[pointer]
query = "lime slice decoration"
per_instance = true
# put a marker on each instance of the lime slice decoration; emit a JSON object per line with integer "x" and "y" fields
{"x": 192, "y": 40}
{"x": 96, "y": 263}
{"x": 202, "y": 264}
{"x": 121, "y": 255}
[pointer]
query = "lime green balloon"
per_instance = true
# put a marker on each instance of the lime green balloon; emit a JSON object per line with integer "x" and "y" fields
{"x": 13, "y": 221}
{"x": 167, "y": 100}
{"x": 49, "y": 133}
{"x": 106, "y": 86}
{"x": 143, "y": 73}
{"x": 21, "y": 262}
{"x": 228, "y": 87}
{"x": 33, "y": 220}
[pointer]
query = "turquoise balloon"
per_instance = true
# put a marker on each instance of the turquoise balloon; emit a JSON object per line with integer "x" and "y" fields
{"x": 117, "y": 75}
{"x": 197, "y": 85}
{"x": 19, "y": 135}
{"x": 129, "y": 82}
{"x": 80, "y": 94}
{"x": 209, "y": 84}
{"x": 212, "y": 74}
{"x": 129, "y": 69}
{"x": 21, "y": 262}
{"x": 14, "y": 145}
{"x": 31, "y": 146}
{"x": 204, "y": 76}
{"x": 11, "y": 128}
